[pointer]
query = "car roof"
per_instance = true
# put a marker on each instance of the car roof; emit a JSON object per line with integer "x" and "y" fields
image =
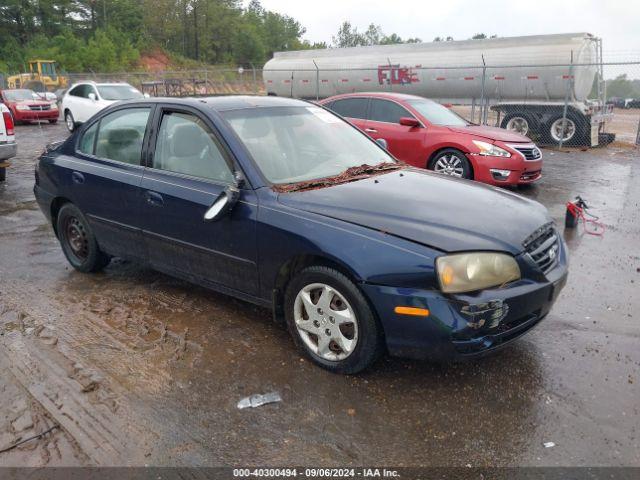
{"x": 387, "y": 95}
{"x": 100, "y": 84}
{"x": 240, "y": 102}
{"x": 227, "y": 102}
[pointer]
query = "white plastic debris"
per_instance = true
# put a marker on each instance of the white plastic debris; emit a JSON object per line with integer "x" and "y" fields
{"x": 258, "y": 400}
{"x": 549, "y": 444}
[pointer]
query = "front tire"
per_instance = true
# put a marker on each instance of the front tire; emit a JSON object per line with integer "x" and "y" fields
{"x": 331, "y": 321}
{"x": 69, "y": 121}
{"x": 53, "y": 121}
{"x": 78, "y": 241}
{"x": 451, "y": 162}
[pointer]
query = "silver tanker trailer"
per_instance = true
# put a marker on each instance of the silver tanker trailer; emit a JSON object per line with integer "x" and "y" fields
{"x": 527, "y": 80}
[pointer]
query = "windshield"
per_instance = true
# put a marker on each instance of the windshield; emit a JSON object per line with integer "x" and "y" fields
{"x": 118, "y": 92}
{"x": 436, "y": 114}
{"x": 298, "y": 144}
{"x": 19, "y": 95}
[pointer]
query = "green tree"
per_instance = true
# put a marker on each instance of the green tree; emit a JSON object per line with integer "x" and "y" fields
{"x": 347, "y": 36}
{"x": 247, "y": 45}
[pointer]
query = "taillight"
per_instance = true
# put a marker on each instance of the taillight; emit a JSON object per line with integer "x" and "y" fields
{"x": 8, "y": 123}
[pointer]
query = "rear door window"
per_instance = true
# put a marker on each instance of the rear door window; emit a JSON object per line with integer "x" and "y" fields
{"x": 120, "y": 135}
{"x": 87, "y": 141}
{"x": 387, "y": 111}
{"x": 351, "y": 107}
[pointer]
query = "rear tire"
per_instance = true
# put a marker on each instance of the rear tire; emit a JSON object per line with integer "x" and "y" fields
{"x": 451, "y": 162}
{"x": 69, "y": 121}
{"x": 78, "y": 241}
{"x": 345, "y": 325}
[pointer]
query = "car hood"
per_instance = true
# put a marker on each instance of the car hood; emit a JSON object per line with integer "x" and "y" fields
{"x": 491, "y": 133}
{"x": 427, "y": 208}
{"x": 33, "y": 103}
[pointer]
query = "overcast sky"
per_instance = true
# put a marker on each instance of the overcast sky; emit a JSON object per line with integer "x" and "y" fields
{"x": 616, "y": 21}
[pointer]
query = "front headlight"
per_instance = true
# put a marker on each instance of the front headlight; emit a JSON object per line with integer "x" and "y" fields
{"x": 490, "y": 149}
{"x": 22, "y": 107}
{"x": 467, "y": 272}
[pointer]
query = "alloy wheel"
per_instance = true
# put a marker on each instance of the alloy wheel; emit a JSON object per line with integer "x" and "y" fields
{"x": 326, "y": 322}
{"x": 449, "y": 164}
{"x": 69, "y": 120}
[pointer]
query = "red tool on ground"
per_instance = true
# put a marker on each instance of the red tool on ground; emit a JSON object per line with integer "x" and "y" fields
{"x": 577, "y": 211}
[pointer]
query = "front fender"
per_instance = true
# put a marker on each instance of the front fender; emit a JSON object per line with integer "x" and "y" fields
{"x": 370, "y": 256}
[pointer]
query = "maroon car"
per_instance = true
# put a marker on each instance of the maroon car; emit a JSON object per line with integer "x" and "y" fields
{"x": 26, "y": 106}
{"x": 426, "y": 134}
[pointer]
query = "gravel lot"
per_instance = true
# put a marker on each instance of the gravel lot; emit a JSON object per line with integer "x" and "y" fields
{"x": 137, "y": 368}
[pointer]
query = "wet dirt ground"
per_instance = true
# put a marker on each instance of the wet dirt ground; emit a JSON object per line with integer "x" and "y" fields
{"x": 136, "y": 368}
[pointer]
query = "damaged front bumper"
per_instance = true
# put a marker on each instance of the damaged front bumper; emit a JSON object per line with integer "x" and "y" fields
{"x": 465, "y": 325}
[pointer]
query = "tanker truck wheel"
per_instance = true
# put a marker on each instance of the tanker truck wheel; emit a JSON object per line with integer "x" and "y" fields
{"x": 451, "y": 162}
{"x": 575, "y": 130}
{"x": 518, "y": 122}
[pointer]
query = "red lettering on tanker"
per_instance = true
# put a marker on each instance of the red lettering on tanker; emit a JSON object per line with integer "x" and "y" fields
{"x": 396, "y": 75}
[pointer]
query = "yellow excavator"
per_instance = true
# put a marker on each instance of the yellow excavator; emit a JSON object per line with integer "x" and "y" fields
{"x": 42, "y": 77}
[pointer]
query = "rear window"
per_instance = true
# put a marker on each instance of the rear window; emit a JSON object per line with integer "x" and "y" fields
{"x": 351, "y": 107}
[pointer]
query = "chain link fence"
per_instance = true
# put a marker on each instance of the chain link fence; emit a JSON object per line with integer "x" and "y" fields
{"x": 561, "y": 104}
{"x": 184, "y": 83}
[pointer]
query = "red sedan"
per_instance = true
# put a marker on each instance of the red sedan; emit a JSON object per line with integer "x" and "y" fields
{"x": 25, "y": 108}
{"x": 425, "y": 134}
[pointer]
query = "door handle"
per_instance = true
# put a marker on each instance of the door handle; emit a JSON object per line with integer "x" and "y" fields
{"x": 154, "y": 198}
{"x": 371, "y": 130}
{"x": 77, "y": 177}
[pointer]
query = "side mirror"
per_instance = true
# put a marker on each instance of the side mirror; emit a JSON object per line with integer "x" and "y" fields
{"x": 92, "y": 97}
{"x": 225, "y": 201}
{"x": 382, "y": 142}
{"x": 409, "y": 122}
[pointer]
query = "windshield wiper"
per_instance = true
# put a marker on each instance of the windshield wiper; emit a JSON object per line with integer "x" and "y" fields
{"x": 349, "y": 175}
{"x": 368, "y": 169}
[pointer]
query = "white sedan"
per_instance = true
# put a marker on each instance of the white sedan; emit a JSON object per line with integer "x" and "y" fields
{"x": 85, "y": 99}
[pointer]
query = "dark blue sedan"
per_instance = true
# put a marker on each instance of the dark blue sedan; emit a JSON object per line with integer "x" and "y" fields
{"x": 282, "y": 203}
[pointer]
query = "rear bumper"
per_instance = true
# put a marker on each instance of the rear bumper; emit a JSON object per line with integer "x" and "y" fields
{"x": 8, "y": 150}
{"x": 464, "y": 326}
{"x": 44, "y": 200}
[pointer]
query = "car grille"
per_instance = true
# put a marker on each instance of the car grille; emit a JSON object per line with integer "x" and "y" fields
{"x": 543, "y": 246}
{"x": 529, "y": 152}
{"x": 39, "y": 108}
